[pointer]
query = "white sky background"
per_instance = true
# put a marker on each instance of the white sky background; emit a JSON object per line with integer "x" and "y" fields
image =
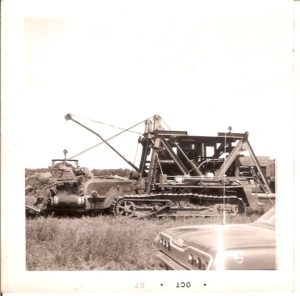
{"x": 201, "y": 67}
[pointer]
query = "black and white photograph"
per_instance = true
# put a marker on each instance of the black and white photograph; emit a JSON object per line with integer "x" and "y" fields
{"x": 148, "y": 146}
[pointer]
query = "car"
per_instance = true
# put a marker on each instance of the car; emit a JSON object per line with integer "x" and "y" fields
{"x": 220, "y": 247}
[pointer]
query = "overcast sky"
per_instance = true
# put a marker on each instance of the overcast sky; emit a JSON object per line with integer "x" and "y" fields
{"x": 201, "y": 67}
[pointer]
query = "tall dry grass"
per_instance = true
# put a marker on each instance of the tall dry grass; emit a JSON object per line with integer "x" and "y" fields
{"x": 100, "y": 243}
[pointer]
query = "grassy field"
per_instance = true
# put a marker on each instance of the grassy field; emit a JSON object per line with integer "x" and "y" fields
{"x": 100, "y": 243}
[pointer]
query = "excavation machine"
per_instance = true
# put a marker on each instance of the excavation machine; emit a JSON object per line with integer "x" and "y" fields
{"x": 178, "y": 175}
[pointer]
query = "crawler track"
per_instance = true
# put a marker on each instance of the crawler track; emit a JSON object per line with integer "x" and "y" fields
{"x": 174, "y": 205}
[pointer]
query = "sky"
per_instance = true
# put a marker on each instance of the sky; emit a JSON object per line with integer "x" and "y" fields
{"x": 200, "y": 67}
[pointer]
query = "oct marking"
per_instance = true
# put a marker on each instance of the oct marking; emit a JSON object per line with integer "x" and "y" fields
{"x": 183, "y": 285}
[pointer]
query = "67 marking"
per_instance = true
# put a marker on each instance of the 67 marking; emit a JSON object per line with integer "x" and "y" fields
{"x": 140, "y": 285}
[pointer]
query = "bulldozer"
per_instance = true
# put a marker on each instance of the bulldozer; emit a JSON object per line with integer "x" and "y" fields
{"x": 178, "y": 175}
{"x": 67, "y": 189}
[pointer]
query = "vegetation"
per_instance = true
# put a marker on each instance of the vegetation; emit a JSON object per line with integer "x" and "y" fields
{"x": 96, "y": 172}
{"x": 100, "y": 243}
{"x": 108, "y": 172}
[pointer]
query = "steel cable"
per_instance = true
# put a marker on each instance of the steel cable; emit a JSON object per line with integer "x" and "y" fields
{"x": 112, "y": 137}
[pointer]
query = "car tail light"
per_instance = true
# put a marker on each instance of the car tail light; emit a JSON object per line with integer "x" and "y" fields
{"x": 191, "y": 259}
{"x": 165, "y": 243}
{"x": 198, "y": 261}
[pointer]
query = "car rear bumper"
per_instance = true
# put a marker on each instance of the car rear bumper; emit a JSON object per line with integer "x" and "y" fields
{"x": 168, "y": 263}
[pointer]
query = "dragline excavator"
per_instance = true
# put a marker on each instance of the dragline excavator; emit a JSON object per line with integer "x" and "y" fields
{"x": 178, "y": 175}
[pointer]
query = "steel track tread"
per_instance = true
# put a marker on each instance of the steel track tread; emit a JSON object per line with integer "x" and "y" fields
{"x": 169, "y": 199}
